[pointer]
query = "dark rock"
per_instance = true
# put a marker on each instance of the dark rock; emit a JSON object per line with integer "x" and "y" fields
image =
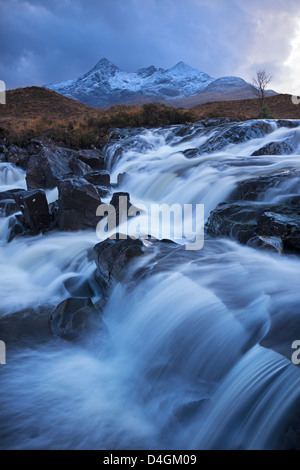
{"x": 234, "y": 220}
{"x": 275, "y": 148}
{"x": 78, "y": 167}
{"x": 287, "y": 123}
{"x": 112, "y": 255}
{"x": 217, "y": 121}
{"x": 117, "y": 134}
{"x": 273, "y": 244}
{"x": 234, "y": 134}
{"x": 121, "y": 202}
{"x": 49, "y": 165}
{"x": 122, "y": 178}
{"x": 94, "y": 158}
{"x": 18, "y": 156}
{"x": 98, "y": 178}
{"x": 191, "y": 153}
{"x": 78, "y": 202}
{"x": 8, "y": 205}
{"x": 282, "y": 222}
{"x": 257, "y": 225}
{"x": 17, "y": 227}
{"x": 103, "y": 191}
{"x": 53, "y": 211}
{"x": 73, "y": 317}
{"x": 34, "y": 207}
{"x": 253, "y": 189}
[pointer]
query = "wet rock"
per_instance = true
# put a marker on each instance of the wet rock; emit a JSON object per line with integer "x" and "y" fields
{"x": 17, "y": 227}
{"x": 18, "y": 156}
{"x": 98, "y": 178}
{"x": 273, "y": 244}
{"x": 92, "y": 157}
{"x": 78, "y": 167}
{"x": 121, "y": 202}
{"x": 253, "y": 189}
{"x": 78, "y": 202}
{"x": 111, "y": 256}
{"x": 234, "y": 134}
{"x": 8, "y": 205}
{"x": 191, "y": 153}
{"x": 218, "y": 121}
{"x": 234, "y": 220}
{"x": 34, "y": 207}
{"x": 275, "y": 148}
{"x": 282, "y": 222}
{"x": 258, "y": 225}
{"x": 73, "y": 317}
{"x": 49, "y": 165}
{"x": 287, "y": 123}
{"x": 53, "y": 211}
{"x": 103, "y": 191}
{"x": 122, "y": 178}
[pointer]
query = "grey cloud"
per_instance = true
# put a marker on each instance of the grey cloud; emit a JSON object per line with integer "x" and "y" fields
{"x": 49, "y": 41}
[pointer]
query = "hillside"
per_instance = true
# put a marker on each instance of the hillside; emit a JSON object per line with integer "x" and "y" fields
{"x": 35, "y": 111}
{"x": 280, "y": 106}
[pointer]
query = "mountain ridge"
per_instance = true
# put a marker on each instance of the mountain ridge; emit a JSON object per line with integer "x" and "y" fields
{"x": 181, "y": 85}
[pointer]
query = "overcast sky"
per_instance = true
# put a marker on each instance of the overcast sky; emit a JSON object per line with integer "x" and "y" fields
{"x": 47, "y": 41}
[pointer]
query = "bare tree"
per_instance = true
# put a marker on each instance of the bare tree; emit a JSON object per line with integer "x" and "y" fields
{"x": 260, "y": 82}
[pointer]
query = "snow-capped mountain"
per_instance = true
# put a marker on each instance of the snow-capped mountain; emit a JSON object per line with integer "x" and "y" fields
{"x": 105, "y": 85}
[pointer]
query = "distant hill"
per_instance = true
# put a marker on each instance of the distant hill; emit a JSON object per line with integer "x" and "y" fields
{"x": 106, "y": 85}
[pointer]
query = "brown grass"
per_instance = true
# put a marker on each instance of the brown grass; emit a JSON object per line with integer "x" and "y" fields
{"x": 280, "y": 106}
{"x": 34, "y": 111}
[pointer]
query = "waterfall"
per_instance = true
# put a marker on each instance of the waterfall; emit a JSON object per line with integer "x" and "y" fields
{"x": 185, "y": 363}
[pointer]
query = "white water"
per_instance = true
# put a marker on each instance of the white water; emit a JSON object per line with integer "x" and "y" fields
{"x": 182, "y": 366}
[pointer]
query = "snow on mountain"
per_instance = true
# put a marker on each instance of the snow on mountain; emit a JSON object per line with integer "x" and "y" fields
{"x": 105, "y": 84}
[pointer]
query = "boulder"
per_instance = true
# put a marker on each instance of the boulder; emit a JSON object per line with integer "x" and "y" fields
{"x": 18, "y": 156}
{"x": 17, "y": 226}
{"x": 8, "y": 205}
{"x": 93, "y": 157}
{"x": 287, "y": 123}
{"x": 191, "y": 153}
{"x": 122, "y": 178}
{"x": 78, "y": 202}
{"x": 273, "y": 244}
{"x": 98, "y": 178}
{"x": 234, "y": 134}
{"x": 103, "y": 191}
{"x": 49, "y": 165}
{"x": 34, "y": 207}
{"x": 73, "y": 317}
{"x": 275, "y": 148}
{"x": 78, "y": 167}
{"x": 253, "y": 189}
{"x": 111, "y": 256}
{"x": 258, "y": 225}
{"x": 121, "y": 207}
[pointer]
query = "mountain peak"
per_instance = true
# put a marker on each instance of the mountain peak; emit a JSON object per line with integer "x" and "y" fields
{"x": 105, "y": 64}
{"x": 148, "y": 71}
{"x": 182, "y": 66}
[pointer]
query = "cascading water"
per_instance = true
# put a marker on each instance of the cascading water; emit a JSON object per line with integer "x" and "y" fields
{"x": 183, "y": 365}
